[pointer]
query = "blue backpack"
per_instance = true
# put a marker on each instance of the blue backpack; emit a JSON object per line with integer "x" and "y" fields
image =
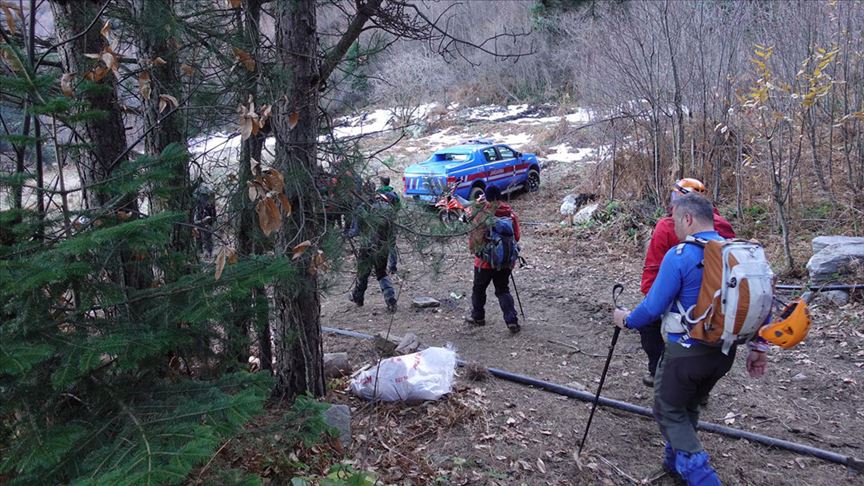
{"x": 501, "y": 249}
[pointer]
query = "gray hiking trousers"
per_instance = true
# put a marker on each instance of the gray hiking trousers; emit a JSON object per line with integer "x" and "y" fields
{"x": 685, "y": 377}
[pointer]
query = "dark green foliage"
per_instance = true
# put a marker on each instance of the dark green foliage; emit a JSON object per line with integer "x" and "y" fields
{"x": 90, "y": 370}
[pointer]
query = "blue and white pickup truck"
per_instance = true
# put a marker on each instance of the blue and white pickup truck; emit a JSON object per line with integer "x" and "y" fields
{"x": 471, "y": 168}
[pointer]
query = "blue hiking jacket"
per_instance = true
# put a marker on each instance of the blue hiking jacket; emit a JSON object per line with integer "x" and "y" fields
{"x": 679, "y": 278}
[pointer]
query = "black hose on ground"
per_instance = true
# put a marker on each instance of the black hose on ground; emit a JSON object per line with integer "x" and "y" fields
{"x": 822, "y": 288}
{"x": 834, "y": 457}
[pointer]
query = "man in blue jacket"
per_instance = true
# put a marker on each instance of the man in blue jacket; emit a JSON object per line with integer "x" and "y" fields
{"x": 688, "y": 369}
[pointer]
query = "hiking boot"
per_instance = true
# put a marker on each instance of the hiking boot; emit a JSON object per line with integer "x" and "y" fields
{"x": 513, "y": 327}
{"x": 648, "y": 380}
{"x": 355, "y": 300}
{"x": 694, "y": 468}
{"x": 391, "y": 306}
{"x": 475, "y": 322}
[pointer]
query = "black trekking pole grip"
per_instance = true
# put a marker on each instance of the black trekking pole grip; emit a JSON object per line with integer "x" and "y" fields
{"x": 616, "y": 292}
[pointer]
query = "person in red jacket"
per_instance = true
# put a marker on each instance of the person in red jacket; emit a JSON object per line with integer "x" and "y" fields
{"x": 662, "y": 239}
{"x": 484, "y": 273}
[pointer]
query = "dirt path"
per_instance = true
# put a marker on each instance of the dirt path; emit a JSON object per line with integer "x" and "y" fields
{"x": 495, "y": 432}
{"x": 566, "y": 296}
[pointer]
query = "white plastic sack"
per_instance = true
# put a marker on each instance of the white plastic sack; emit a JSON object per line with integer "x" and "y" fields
{"x": 426, "y": 375}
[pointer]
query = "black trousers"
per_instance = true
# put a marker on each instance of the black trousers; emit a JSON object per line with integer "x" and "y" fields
{"x": 501, "y": 280}
{"x": 652, "y": 343}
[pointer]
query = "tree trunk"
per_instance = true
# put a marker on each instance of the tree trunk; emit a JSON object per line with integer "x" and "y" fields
{"x": 252, "y": 309}
{"x": 164, "y": 127}
{"x": 299, "y": 365}
{"x": 105, "y": 137}
{"x": 104, "y": 141}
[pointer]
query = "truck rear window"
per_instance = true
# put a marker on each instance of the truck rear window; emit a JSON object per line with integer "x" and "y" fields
{"x": 449, "y": 157}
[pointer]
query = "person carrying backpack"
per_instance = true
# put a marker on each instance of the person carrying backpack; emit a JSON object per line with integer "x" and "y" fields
{"x": 376, "y": 236}
{"x": 662, "y": 239}
{"x": 710, "y": 302}
{"x": 494, "y": 244}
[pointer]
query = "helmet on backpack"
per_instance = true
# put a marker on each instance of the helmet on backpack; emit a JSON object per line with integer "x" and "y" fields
{"x": 688, "y": 185}
{"x": 791, "y": 328}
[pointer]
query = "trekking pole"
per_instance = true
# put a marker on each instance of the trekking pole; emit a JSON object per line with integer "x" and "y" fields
{"x": 616, "y": 291}
{"x": 522, "y": 263}
{"x": 516, "y": 291}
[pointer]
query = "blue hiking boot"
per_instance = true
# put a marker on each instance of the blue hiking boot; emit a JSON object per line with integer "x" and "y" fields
{"x": 694, "y": 469}
{"x": 669, "y": 460}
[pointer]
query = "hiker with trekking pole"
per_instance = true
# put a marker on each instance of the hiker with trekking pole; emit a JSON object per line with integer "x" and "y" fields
{"x": 493, "y": 241}
{"x": 662, "y": 239}
{"x": 711, "y": 296}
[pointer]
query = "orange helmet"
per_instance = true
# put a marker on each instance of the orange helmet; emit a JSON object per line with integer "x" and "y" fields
{"x": 688, "y": 185}
{"x": 791, "y": 328}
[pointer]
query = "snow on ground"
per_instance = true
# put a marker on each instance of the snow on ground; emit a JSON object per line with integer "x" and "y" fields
{"x": 563, "y": 153}
{"x": 580, "y": 116}
{"x": 494, "y": 112}
{"x": 367, "y": 122}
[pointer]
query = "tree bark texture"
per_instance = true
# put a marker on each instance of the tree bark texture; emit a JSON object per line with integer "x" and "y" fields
{"x": 104, "y": 137}
{"x": 298, "y": 351}
{"x": 157, "y": 55}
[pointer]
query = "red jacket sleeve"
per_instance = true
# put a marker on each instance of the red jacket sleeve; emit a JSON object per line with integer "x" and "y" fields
{"x": 662, "y": 239}
{"x": 516, "y": 232}
{"x": 722, "y": 226}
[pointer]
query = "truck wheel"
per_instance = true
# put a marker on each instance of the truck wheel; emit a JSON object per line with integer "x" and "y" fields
{"x": 532, "y": 183}
{"x": 475, "y": 193}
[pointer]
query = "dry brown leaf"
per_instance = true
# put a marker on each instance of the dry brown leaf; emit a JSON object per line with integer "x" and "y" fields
{"x": 234, "y": 3}
{"x": 273, "y": 180}
{"x": 301, "y": 248}
{"x": 221, "y": 259}
{"x": 286, "y": 204}
{"x": 319, "y": 262}
{"x": 166, "y": 101}
{"x": 245, "y": 58}
{"x": 265, "y": 114}
{"x": 293, "y": 119}
{"x": 66, "y": 84}
{"x": 144, "y": 84}
{"x": 246, "y": 127}
{"x": 110, "y": 59}
{"x": 97, "y": 74}
{"x": 187, "y": 69}
{"x": 269, "y": 218}
{"x": 10, "y": 19}
{"x": 255, "y": 190}
{"x": 256, "y": 166}
{"x": 106, "y": 30}
{"x": 159, "y": 61}
{"x": 232, "y": 256}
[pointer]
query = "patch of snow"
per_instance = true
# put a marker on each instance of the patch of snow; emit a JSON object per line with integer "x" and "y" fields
{"x": 515, "y": 140}
{"x": 217, "y": 141}
{"x": 580, "y": 116}
{"x": 366, "y": 122}
{"x": 563, "y": 153}
{"x": 494, "y": 112}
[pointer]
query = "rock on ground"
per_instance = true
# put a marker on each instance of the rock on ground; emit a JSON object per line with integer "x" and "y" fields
{"x": 820, "y": 242}
{"x": 835, "y": 260}
{"x": 425, "y": 302}
{"x": 339, "y": 417}
{"x": 836, "y": 297}
{"x": 336, "y": 365}
{"x": 584, "y": 214}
